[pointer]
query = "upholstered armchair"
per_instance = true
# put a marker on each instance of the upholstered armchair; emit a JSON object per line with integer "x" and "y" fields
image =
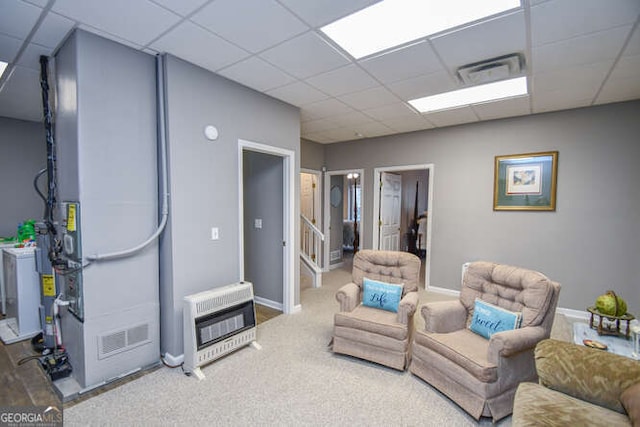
{"x": 481, "y": 374}
{"x": 372, "y": 333}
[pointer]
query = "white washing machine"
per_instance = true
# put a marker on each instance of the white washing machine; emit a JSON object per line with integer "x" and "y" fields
{"x": 22, "y": 285}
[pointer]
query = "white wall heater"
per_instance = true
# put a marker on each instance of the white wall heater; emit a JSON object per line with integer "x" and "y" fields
{"x": 217, "y": 322}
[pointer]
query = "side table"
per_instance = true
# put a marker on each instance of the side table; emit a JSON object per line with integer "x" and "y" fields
{"x": 603, "y": 329}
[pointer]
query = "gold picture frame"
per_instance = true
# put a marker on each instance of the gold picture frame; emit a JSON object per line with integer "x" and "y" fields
{"x": 525, "y": 182}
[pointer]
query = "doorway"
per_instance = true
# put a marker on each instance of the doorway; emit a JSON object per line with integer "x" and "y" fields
{"x": 402, "y": 210}
{"x": 343, "y": 222}
{"x": 267, "y": 239}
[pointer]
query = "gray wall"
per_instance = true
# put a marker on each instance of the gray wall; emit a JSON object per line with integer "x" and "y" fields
{"x": 311, "y": 155}
{"x": 204, "y": 182}
{"x": 263, "y": 181}
{"x": 591, "y": 243}
{"x": 23, "y": 152}
{"x": 106, "y": 134}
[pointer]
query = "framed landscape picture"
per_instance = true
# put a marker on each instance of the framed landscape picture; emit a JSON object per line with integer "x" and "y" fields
{"x": 525, "y": 182}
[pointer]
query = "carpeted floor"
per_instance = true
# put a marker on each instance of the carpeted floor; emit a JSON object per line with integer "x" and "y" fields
{"x": 293, "y": 380}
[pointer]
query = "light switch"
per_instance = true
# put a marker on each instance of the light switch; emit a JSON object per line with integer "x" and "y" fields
{"x": 257, "y": 223}
{"x": 214, "y": 233}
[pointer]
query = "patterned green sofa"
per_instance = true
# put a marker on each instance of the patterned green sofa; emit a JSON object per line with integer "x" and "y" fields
{"x": 579, "y": 386}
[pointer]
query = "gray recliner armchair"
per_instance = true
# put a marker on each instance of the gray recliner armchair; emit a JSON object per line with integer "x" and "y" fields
{"x": 482, "y": 374}
{"x": 371, "y": 333}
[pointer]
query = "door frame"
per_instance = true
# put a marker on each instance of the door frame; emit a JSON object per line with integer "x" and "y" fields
{"x": 327, "y": 209}
{"x": 376, "y": 208}
{"x": 289, "y": 222}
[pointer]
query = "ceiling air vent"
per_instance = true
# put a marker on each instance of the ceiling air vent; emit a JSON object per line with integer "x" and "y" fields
{"x": 491, "y": 70}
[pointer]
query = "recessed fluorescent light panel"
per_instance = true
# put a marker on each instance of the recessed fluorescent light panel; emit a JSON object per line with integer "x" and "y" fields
{"x": 3, "y": 66}
{"x": 391, "y": 23}
{"x": 471, "y": 95}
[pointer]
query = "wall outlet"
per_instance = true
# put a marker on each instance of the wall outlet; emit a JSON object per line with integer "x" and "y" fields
{"x": 257, "y": 223}
{"x": 214, "y": 233}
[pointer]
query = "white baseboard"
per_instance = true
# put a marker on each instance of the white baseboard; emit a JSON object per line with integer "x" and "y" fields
{"x": 269, "y": 303}
{"x": 296, "y": 309}
{"x": 443, "y": 291}
{"x": 336, "y": 265}
{"x": 574, "y": 314}
{"x": 173, "y": 360}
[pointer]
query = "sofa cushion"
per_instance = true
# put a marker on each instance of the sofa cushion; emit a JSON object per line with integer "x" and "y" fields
{"x": 374, "y": 320}
{"x": 536, "y": 405}
{"x": 382, "y": 295}
{"x": 593, "y": 375}
{"x": 463, "y": 347}
{"x": 630, "y": 399}
{"x": 488, "y": 319}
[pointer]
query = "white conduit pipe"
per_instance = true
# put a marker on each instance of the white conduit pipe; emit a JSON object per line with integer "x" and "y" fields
{"x": 160, "y": 77}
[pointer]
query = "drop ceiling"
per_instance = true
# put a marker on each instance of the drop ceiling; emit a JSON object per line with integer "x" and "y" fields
{"x": 577, "y": 53}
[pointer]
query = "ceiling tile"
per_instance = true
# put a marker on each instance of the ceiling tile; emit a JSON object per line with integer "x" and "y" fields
{"x": 617, "y": 90}
{"x": 596, "y": 47}
{"x": 318, "y": 137}
{"x": 230, "y": 20}
{"x": 142, "y": 22}
{"x": 318, "y": 13}
{"x": 9, "y": 47}
{"x": 342, "y": 80}
{"x": 52, "y": 30}
{"x": 192, "y": 43}
{"x": 109, "y": 36}
{"x": 17, "y": 18}
{"x": 327, "y": 108}
{"x": 623, "y": 83}
{"x": 554, "y": 101}
{"x": 30, "y": 58}
{"x": 485, "y": 40}
{"x": 373, "y": 129}
{"x": 420, "y": 86}
{"x": 20, "y": 97}
{"x": 181, "y": 7}
{"x": 633, "y": 45}
{"x": 305, "y": 56}
{"x": 355, "y": 118}
{"x": 320, "y": 125}
{"x": 385, "y": 112}
{"x": 297, "y": 94}
{"x": 562, "y": 19}
{"x": 369, "y": 98}
{"x": 452, "y": 117}
{"x": 39, "y": 3}
{"x": 257, "y": 74}
{"x": 401, "y": 64}
{"x": 407, "y": 123}
{"x": 343, "y": 134}
{"x": 588, "y": 77}
{"x": 626, "y": 68}
{"x": 505, "y": 108}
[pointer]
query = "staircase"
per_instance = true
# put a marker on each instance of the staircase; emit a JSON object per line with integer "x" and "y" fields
{"x": 311, "y": 241}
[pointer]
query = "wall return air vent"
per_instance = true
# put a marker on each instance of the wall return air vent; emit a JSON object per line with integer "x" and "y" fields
{"x": 491, "y": 70}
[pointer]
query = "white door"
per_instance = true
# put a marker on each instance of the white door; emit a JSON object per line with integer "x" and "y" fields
{"x": 390, "y": 203}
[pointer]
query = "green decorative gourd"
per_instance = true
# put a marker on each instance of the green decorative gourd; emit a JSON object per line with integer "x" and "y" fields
{"x": 610, "y": 304}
